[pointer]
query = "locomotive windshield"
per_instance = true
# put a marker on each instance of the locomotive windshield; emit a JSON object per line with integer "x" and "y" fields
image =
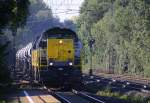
{"x": 59, "y": 36}
{"x": 60, "y": 33}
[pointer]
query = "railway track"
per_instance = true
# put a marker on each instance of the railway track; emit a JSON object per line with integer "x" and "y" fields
{"x": 116, "y": 84}
{"x": 135, "y": 78}
{"x": 49, "y": 96}
{"x": 61, "y": 96}
{"x": 74, "y": 96}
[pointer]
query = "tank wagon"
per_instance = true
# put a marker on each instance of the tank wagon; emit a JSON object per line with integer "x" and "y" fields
{"x": 53, "y": 58}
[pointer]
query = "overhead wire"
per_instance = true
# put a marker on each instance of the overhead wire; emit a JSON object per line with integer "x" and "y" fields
{"x": 61, "y": 11}
{"x": 58, "y": 6}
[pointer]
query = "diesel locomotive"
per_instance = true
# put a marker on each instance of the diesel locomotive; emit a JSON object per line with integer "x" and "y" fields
{"x": 53, "y": 58}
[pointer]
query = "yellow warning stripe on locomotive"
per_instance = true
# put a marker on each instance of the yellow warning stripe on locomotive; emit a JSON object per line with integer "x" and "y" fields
{"x": 35, "y": 58}
{"x": 39, "y": 58}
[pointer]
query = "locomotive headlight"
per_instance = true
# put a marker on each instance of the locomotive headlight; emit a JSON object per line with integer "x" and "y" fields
{"x": 60, "y": 41}
{"x": 70, "y": 63}
{"x": 51, "y": 64}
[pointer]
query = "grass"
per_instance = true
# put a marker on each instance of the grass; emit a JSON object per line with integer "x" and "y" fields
{"x": 132, "y": 97}
{"x": 2, "y": 101}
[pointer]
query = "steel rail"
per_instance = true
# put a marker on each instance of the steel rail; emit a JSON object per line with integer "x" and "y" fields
{"x": 88, "y": 97}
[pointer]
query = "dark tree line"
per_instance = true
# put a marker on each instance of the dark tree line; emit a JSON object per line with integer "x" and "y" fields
{"x": 13, "y": 14}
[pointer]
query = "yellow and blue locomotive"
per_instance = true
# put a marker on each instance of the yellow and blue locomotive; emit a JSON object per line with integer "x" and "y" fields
{"x": 55, "y": 57}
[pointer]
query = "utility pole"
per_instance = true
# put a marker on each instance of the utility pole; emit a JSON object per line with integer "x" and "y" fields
{"x": 91, "y": 42}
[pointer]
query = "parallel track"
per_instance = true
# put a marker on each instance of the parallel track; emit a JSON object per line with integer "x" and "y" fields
{"x": 117, "y": 83}
{"x": 134, "y": 78}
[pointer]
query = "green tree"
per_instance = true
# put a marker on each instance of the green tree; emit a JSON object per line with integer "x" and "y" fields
{"x": 122, "y": 33}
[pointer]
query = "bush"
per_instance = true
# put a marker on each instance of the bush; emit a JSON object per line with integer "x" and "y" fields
{"x": 132, "y": 97}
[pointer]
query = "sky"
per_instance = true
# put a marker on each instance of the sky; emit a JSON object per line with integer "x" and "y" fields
{"x": 64, "y": 9}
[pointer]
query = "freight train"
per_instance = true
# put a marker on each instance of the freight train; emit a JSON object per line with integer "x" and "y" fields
{"x": 53, "y": 58}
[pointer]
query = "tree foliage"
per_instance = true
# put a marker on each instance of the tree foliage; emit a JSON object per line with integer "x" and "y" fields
{"x": 13, "y": 14}
{"x": 122, "y": 33}
{"x": 4, "y": 71}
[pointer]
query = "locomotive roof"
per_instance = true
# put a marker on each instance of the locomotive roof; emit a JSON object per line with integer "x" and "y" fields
{"x": 63, "y": 31}
{"x": 55, "y": 32}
